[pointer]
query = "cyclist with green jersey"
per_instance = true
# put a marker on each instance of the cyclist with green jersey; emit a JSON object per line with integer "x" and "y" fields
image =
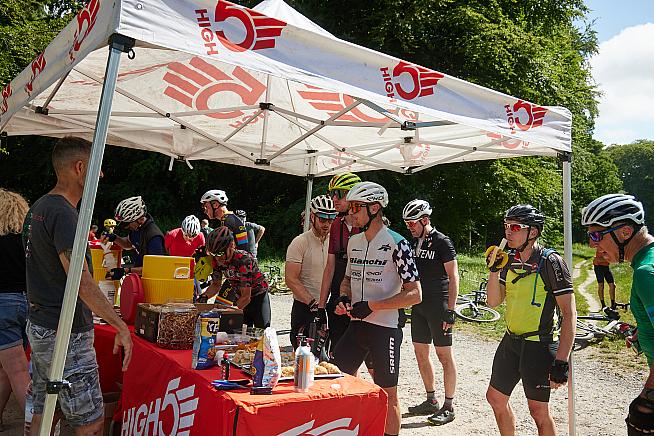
{"x": 622, "y": 217}
{"x": 534, "y": 281}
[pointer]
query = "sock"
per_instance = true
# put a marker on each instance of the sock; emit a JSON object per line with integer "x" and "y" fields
{"x": 431, "y": 396}
{"x": 603, "y": 304}
{"x": 613, "y": 306}
{"x": 448, "y": 403}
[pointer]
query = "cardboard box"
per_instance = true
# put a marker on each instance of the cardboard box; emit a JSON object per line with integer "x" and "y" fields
{"x": 231, "y": 319}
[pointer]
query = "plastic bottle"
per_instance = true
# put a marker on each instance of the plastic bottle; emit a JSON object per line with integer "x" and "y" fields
{"x": 304, "y": 367}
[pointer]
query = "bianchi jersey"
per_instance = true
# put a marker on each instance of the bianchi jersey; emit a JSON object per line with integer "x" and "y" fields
{"x": 377, "y": 270}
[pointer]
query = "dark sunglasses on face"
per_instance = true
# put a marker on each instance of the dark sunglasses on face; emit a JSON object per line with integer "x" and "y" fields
{"x": 515, "y": 227}
{"x": 220, "y": 253}
{"x": 322, "y": 220}
{"x": 598, "y": 235}
{"x": 339, "y": 193}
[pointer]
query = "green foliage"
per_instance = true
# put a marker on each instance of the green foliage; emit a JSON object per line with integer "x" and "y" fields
{"x": 635, "y": 163}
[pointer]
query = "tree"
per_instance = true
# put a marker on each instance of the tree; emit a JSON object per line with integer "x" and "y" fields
{"x": 635, "y": 164}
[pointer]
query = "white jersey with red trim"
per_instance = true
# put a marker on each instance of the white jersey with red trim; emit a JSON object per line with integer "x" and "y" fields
{"x": 377, "y": 270}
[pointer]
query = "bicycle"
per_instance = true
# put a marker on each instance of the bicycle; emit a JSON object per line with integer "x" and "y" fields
{"x": 472, "y": 306}
{"x": 588, "y": 333}
{"x": 275, "y": 279}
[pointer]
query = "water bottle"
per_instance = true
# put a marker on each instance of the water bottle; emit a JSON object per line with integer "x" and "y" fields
{"x": 304, "y": 368}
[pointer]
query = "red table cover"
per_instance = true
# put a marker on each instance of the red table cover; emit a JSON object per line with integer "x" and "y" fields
{"x": 161, "y": 391}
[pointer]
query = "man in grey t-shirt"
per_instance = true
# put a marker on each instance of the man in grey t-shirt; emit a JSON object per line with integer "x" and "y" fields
{"x": 255, "y": 232}
{"x": 48, "y": 236}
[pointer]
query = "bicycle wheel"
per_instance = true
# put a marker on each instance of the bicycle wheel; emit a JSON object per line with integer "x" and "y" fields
{"x": 471, "y": 312}
{"x": 465, "y": 298}
{"x": 588, "y": 332}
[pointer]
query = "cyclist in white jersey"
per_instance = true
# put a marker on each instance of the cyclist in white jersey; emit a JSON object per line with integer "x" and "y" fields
{"x": 381, "y": 277}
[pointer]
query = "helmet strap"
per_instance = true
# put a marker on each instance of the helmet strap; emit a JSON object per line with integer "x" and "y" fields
{"x": 623, "y": 244}
{"x": 371, "y": 217}
{"x": 524, "y": 244}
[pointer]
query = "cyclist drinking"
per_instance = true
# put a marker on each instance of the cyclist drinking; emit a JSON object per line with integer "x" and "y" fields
{"x": 381, "y": 277}
{"x": 214, "y": 204}
{"x": 244, "y": 285}
{"x": 432, "y": 319}
{"x": 622, "y": 218}
{"x": 533, "y": 281}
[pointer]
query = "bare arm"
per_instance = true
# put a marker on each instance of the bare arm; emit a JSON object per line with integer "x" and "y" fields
{"x": 244, "y": 299}
{"x": 213, "y": 288}
{"x": 494, "y": 291}
{"x": 92, "y": 296}
{"x": 346, "y": 290}
{"x": 568, "y": 309}
{"x": 124, "y": 243}
{"x": 327, "y": 277}
{"x": 259, "y": 234}
{"x": 410, "y": 294}
{"x": 452, "y": 270}
{"x": 292, "y": 276}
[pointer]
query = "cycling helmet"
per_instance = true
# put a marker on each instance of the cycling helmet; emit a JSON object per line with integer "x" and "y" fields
{"x": 611, "y": 208}
{"x": 343, "y": 181}
{"x": 191, "y": 226}
{"x": 526, "y": 214}
{"x": 323, "y": 205}
{"x": 109, "y": 223}
{"x": 219, "y": 239}
{"x": 368, "y": 192}
{"x": 416, "y": 209}
{"x": 241, "y": 214}
{"x": 215, "y": 195}
{"x": 130, "y": 209}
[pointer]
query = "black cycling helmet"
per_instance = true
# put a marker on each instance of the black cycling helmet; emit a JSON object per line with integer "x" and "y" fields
{"x": 526, "y": 214}
{"x": 219, "y": 239}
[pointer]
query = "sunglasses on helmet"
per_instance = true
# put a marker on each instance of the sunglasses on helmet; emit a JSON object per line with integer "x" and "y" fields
{"x": 515, "y": 227}
{"x": 341, "y": 194}
{"x": 598, "y": 235}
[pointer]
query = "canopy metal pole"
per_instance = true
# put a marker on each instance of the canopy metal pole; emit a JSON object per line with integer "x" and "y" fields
{"x": 566, "y": 158}
{"x": 307, "y": 202}
{"x": 118, "y": 44}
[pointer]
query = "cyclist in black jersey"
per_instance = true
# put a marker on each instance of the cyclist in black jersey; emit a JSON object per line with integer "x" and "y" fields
{"x": 533, "y": 281}
{"x": 432, "y": 319}
{"x": 214, "y": 204}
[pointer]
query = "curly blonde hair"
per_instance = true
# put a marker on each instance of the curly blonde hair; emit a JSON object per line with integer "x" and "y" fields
{"x": 13, "y": 210}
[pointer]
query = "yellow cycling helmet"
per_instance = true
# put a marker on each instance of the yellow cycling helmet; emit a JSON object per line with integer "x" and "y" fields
{"x": 109, "y": 222}
{"x": 343, "y": 181}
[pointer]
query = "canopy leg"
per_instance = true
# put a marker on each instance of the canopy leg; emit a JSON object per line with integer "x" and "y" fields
{"x": 118, "y": 44}
{"x": 307, "y": 202}
{"x": 567, "y": 247}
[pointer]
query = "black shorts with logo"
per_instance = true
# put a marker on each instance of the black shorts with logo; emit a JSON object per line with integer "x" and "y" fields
{"x": 517, "y": 359}
{"x": 427, "y": 324}
{"x": 380, "y": 344}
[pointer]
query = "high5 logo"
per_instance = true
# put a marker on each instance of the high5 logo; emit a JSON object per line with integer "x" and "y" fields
{"x": 85, "y": 22}
{"x": 510, "y": 143}
{"x": 530, "y": 117}
{"x": 260, "y": 30}
{"x": 6, "y": 93}
{"x": 422, "y": 80}
{"x": 38, "y": 65}
{"x": 198, "y": 83}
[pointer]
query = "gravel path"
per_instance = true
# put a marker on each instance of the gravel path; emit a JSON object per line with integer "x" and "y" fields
{"x": 603, "y": 392}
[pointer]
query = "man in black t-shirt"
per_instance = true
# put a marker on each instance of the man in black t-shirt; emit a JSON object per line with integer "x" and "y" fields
{"x": 48, "y": 236}
{"x": 432, "y": 319}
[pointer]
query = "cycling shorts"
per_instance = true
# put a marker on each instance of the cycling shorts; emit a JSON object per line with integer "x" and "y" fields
{"x": 427, "y": 325}
{"x": 517, "y": 359}
{"x": 603, "y": 272}
{"x": 380, "y": 344}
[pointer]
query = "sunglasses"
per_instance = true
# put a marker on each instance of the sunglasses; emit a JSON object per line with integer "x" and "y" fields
{"x": 220, "y": 253}
{"x": 411, "y": 224}
{"x": 598, "y": 235}
{"x": 356, "y": 207}
{"x": 515, "y": 227}
{"x": 339, "y": 193}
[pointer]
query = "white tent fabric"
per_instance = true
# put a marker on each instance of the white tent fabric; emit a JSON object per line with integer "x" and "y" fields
{"x": 216, "y": 81}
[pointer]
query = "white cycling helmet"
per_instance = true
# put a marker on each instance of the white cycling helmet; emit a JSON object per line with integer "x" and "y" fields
{"x": 416, "y": 209}
{"x": 215, "y": 195}
{"x": 191, "y": 226}
{"x": 323, "y": 205}
{"x": 130, "y": 209}
{"x": 612, "y": 208}
{"x": 368, "y": 192}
